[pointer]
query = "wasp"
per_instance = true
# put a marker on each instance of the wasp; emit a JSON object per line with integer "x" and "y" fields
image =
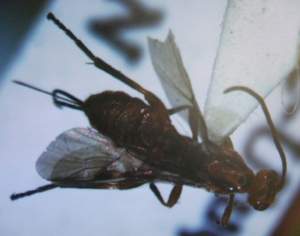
{"x": 133, "y": 142}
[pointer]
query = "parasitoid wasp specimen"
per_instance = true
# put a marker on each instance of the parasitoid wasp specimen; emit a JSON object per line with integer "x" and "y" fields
{"x": 134, "y": 142}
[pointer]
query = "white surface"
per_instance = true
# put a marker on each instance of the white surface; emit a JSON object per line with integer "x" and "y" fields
{"x": 258, "y": 49}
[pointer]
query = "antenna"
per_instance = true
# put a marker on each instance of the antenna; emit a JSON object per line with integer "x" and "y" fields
{"x": 274, "y": 132}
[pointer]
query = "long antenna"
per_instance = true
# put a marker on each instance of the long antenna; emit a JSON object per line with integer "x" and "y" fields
{"x": 274, "y": 132}
{"x": 40, "y": 189}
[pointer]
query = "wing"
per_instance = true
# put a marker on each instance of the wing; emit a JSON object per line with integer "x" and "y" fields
{"x": 167, "y": 63}
{"x": 82, "y": 155}
{"x": 258, "y": 48}
{"x": 169, "y": 67}
{"x": 84, "y": 158}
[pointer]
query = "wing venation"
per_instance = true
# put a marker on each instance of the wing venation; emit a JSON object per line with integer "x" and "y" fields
{"x": 83, "y": 154}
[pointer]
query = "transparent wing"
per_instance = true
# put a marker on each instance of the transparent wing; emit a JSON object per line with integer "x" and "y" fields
{"x": 167, "y": 63}
{"x": 258, "y": 48}
{"x": 169, "y": 67}
{"x": 83, "y": 154}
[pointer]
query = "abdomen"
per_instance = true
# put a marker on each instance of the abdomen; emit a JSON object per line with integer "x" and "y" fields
{"x": 146, "y": 131}
{"x": 128, "y": 121}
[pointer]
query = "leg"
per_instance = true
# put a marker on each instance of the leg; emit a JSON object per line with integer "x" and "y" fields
{"x": 192, "y": 118}
{"x": 44, "y": 188}
{"x": 174, "y": 110}
{"x": 102, "y": 65}
{"x": 173, "y": 197}
{"x": 197, "y": 122}
{"x": 195, "y": 119}
{"x": 60, "y": 97}
{"x": 228, "y": 210}
{"x": 194, "y": 123}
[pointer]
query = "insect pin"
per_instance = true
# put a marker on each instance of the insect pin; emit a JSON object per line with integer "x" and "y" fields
{"x": 133, "y": 142}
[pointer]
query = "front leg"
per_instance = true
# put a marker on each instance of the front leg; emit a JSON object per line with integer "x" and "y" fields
{"x": 173, "y": 197}
{"x": 228, "y": 210}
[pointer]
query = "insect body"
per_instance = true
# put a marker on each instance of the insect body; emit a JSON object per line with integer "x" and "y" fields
{"x": 134, "y": 142}
{"x": 147, "y": 133}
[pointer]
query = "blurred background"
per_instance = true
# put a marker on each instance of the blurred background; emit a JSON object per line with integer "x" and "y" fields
{"x": 33, "y": 50}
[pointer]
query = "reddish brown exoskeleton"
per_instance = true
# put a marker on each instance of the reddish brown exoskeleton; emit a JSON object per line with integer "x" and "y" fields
{"x": 134, "y": 142}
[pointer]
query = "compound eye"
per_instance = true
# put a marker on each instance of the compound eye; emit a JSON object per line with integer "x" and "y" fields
{"x": 264, "y": 189}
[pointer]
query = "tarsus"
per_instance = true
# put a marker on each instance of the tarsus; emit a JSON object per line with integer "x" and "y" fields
{"x": 40, "y": 189}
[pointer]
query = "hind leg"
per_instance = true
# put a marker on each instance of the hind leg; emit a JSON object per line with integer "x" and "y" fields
{"x": 60, "y": 97}
{"x": 173, "y": 197}
{"x": 102, "y": 65}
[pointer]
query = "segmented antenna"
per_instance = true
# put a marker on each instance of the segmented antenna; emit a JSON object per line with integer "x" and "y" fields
{"x": 274, "y": 132}
{"x": 40, "y": 189}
